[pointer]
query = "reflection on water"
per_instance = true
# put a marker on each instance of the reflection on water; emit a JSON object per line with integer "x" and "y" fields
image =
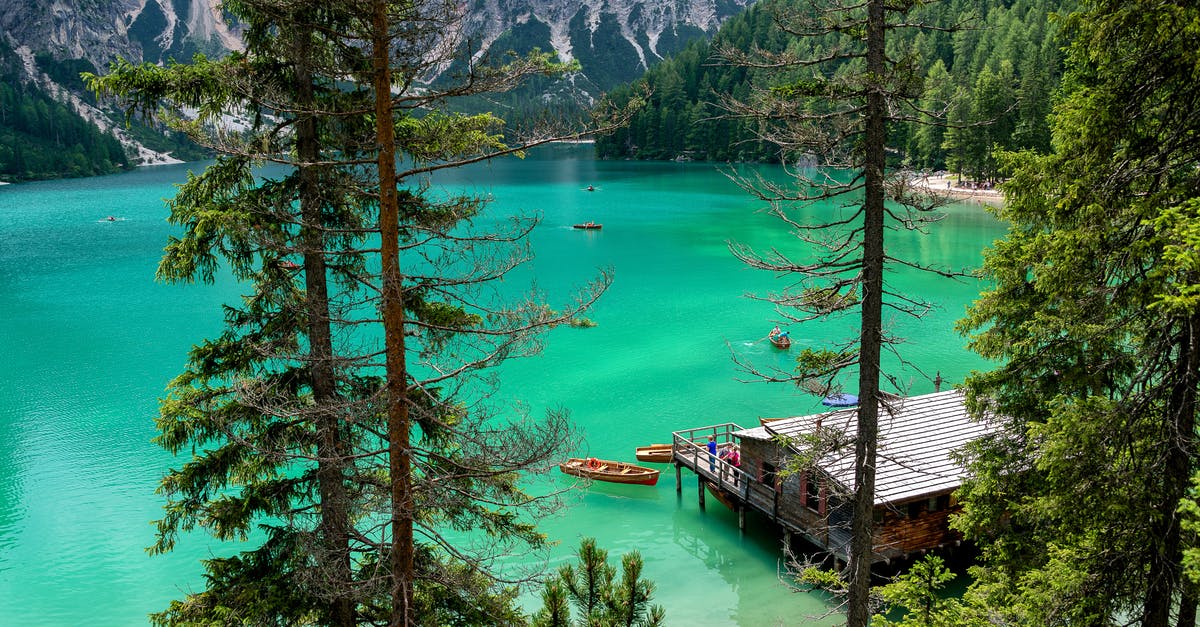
{"x": 89, "y": 342}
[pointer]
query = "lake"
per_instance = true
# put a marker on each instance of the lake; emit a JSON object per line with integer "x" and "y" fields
{"x": 89, "y": 341}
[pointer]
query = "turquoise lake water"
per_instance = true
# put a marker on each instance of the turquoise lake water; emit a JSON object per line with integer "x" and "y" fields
{"x": 88, "y": 342}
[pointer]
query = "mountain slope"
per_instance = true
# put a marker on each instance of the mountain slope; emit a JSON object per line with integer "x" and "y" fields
{"x": 615, "y": 41}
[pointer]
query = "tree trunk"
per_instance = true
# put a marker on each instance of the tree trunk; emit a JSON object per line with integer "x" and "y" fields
{"x": 1165, "y": 568}
{"x": 334, "y": 561}
{"x": 399, "y": 459}
{"x": 862, "y": 532}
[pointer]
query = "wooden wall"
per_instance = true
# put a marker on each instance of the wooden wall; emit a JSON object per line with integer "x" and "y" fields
{"x": 900, "y": 529}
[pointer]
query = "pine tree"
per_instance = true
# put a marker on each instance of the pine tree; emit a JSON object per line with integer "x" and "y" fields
{"x": 1096, "y": 328}
{"x": 344, "y": 409}
{"x": 834, "y": 111}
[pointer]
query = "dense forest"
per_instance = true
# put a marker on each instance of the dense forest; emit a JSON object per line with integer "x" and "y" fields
{"x": 42, "y": 138}
{"x": 989, "y": 69}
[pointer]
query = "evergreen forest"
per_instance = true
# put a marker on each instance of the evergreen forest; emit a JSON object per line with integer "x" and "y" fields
{"x": 42, "y": 138}
{"x": 989, "y": 70}
{"x": 341, "y": 422}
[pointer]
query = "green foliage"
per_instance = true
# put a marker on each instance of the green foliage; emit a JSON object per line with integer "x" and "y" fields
{"x": 820, "y": 363}
{"x": 995, "y": 77}
{"x": 599, "y": 598}
{"x": 827, "y": 300}
{"x": 1092, "y": 321}
{"x": 41, "y": 138}
{"x": 283, "y": 421}
{"x": 919, "y": 595}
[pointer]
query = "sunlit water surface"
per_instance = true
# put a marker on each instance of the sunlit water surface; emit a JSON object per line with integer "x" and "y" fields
{"x": 88, "y": 342}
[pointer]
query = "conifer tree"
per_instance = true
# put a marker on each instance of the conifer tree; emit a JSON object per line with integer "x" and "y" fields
{"x": 833, "y": 110}
{"x": 600, "y": 598}
{"x": 341, "y": 411}
{"x": 1096, "y": 326}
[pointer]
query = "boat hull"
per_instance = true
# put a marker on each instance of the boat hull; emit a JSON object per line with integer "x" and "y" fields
{"x": 608, "y": 470}
{"x": 655, "y": 453}
{"x": 781, "y": 342}
{"x": 721, "y": 496}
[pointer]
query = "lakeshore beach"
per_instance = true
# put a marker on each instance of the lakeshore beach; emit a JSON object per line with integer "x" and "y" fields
{"x": 953, "y": 187}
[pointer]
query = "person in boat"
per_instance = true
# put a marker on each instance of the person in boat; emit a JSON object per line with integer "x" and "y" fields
{"x": 590, "y": 188}
{"x": 782, "y": 335}
{"x": 111, "y": 219}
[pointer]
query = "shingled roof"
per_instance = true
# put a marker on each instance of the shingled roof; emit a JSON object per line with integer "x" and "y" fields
{"x": 915, "y": 441}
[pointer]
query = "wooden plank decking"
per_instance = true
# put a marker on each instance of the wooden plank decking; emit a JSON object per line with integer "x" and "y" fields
{"x": 741, "y": 490}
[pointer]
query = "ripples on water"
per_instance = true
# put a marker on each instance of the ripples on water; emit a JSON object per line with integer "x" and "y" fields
{"x": 89, "y": 342}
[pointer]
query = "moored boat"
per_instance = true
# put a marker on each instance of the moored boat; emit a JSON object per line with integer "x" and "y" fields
{"x": 608, "y": 470}
{"x": 589, "y": 225}
{"x": 721, "y": 496}
{"x": 655, "y": 453}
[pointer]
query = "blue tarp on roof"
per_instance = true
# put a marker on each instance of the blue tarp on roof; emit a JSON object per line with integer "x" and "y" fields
{"x": 840, "y": 400}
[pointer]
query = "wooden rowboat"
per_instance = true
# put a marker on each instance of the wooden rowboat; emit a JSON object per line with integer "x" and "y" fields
{"x": 588, "y": 226}
{"x": 781, "y": 341}
{"x": 721, "y": 496}
{"x": 655, "y": 453}
{"x": 608, "y": 470}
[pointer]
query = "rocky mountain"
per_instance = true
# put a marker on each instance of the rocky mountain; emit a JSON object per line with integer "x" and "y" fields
{"x": 641, "y": 31}
{"x": 614, "y": 40}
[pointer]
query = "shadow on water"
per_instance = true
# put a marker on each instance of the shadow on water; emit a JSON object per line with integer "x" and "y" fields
{"x": 740, "y": 558}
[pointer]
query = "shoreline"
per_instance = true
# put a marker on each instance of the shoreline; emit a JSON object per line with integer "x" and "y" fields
{"x": 942, "y": 185}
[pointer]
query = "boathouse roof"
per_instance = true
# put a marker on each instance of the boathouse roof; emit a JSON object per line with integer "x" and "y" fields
{"x": 916, "y": 437}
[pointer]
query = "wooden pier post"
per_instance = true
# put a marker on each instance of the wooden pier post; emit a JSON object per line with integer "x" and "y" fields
{"x": 741, "y": 517}
{"x": 678, "y": 478}
{"x": 700, "y": 494}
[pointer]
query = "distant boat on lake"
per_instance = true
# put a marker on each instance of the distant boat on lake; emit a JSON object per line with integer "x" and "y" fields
{"x": 589, "y": 225}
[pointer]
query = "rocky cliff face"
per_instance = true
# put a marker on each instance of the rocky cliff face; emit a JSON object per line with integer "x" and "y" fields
{"x": 613, "y": 40}
{"x": 102, "y": 30}
{"x": 649, "y": 29}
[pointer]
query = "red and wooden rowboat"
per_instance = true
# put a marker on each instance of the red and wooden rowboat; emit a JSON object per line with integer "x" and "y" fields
{"x": 781, "y": 341}
{"x": 589, "y": 225}
{"x": 608, "y": 470}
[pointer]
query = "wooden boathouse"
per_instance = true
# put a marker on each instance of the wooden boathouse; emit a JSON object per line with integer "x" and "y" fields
{"x": 916, "y": 475}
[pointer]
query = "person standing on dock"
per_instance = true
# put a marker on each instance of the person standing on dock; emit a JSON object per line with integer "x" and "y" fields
{"x": 712, "y": 451}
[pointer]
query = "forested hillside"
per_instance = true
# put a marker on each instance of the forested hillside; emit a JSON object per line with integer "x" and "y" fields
{"x": 992, "y": 80}
{"x": 42, "y": 138}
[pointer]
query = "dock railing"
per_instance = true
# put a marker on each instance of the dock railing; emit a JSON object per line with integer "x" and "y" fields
{"x": 690, "y": 448}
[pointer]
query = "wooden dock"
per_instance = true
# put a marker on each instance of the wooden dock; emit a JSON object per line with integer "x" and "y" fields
{"x": 742, "y": 491}
{"x": 917, "y": 473}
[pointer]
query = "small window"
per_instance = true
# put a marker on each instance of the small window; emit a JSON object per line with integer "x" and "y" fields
{"x": 770, "y": 474}
{"x": 915, "y": 508}
{"x": 812, "y": 494}
{"x": 943, "y": 502}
